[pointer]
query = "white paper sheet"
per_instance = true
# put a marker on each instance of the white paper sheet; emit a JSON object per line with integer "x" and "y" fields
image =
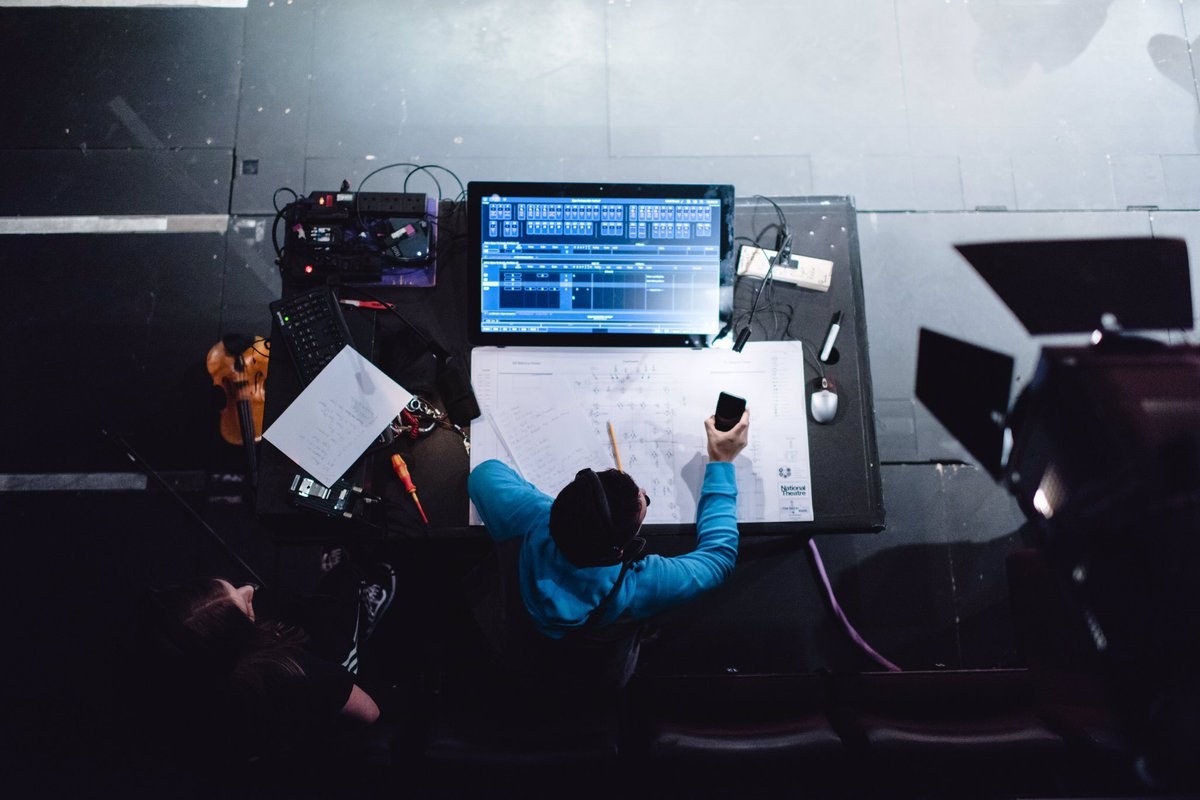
{"x": 546, "y": 413}
{"x": 337, "y": 416}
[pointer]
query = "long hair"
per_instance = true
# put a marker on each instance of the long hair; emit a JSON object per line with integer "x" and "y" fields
{"x": 200, "y": 626}
{"x": 215, "y": 665}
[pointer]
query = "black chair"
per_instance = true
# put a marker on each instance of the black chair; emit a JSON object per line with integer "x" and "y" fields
{"x": 487, "y": 731}
{"x": 727, "y": 734}
{"x": 961, "y": 730}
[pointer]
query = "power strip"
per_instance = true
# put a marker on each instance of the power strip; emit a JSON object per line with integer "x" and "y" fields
{"x": 804, "y": 271}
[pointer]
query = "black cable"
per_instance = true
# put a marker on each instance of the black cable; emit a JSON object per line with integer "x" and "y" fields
{"x": 279, "y": 214}
{"x": 145, "y": 467}
{"x": 436, "y": 182}
{"x": 375, "y": 172}
{"x": 767, "y": 281}
{"x": 431, "y": 218}
{"x": 438, "y": 351}
{"x": 275, "y": 196}
{"x": 462, "y": 191}
{"x": 368, "y": 176}
{"x": 275, "y": 235}
{"x": 783, "y": 253}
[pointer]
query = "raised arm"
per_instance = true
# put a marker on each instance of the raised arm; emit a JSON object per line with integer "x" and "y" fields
{"x": 665, "y": 582}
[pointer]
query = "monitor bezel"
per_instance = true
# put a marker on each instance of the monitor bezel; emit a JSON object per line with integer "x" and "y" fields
{"x": 477, "y": 190}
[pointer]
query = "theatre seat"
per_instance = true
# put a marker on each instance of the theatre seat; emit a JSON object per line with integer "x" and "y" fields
{"x": 493, "y": 723}
{"x": 968, "y": 729}
{"x": 723, "y": 719}
{"x": 953, "y": 713}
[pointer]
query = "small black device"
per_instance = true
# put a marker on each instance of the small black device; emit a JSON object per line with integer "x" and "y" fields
{"x": 313, "y": 327}
{"x": 339, "y": 500}
{"x": 729, "y": 411}
{"x": 366, "y": 238}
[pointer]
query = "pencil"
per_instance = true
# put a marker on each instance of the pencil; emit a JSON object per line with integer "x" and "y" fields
{"x": 612, "y": 435}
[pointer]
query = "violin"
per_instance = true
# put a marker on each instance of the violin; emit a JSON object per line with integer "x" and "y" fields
{"x": 238, "y": 364}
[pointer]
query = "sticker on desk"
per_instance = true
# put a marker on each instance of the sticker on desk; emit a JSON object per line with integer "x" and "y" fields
{"x": 795, "y": 502}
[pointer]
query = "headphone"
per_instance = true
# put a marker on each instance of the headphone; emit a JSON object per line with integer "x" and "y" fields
{"x": 616, "y": 554}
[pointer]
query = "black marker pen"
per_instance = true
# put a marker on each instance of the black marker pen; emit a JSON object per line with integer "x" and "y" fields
{"x": 835, "y": 325}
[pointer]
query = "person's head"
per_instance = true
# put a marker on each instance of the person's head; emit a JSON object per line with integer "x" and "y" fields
{"x": 212, "y": 624}
{"x": 596, "y": 517}
{"x": 212, "y": 663}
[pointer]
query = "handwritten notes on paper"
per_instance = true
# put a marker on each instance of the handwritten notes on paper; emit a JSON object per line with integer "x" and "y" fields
{"x": 546, "y": 413}
{"x": 542, "y": 433}
{"x": 337, "y": 416}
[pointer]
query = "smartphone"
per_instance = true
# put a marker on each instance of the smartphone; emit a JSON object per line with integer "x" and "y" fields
{"x": 729, "y": 411}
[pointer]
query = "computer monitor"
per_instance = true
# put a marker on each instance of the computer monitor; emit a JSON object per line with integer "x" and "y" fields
{"x": 601, "y": 264}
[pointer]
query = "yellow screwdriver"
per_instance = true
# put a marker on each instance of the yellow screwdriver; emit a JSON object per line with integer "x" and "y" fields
{"x": 402, "y": 473}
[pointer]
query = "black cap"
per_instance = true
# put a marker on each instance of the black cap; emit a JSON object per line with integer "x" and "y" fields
{"x": 595, "y": 516}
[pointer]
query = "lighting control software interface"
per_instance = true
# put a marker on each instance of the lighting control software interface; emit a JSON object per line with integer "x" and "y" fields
{"x": 617, "y": 265}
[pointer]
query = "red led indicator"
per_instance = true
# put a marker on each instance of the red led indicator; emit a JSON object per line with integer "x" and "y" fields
{"x": 308, "y": 268}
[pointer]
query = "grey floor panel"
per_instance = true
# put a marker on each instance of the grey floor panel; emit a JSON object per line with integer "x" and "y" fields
{"x": 783, "y": 176}
{"x": 1177, "y": 55}
{"x": 983, "y": 524}
{"x": 1140, "y": 180}
{"x": 774, "y": 585}
{"x": 1073, "y": 180}
{"x": 1025, "y": 78}
{"x": 913, "y": 278}
{"x": 251, "y": 278}
{"x": 525, "y": 78}
{"x": 120, "y": 77}
{"x": 988, "y": 182}
{"x": 763, "y": 78}
{"x": 895, "y": 586}
{"x": 328, "y": 173}
{"x": 273, "y": 108}
{"x": 887, "y": 183}
{"x": 141, "y": 181}
{"x": 1181, "y": 179}
{"x": 118, "y": 327}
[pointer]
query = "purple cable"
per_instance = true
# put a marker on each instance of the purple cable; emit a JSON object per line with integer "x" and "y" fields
{"x": 841, "y": 615}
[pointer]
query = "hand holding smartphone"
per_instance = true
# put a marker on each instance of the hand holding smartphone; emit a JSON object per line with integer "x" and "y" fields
{"x": 729, "y": 410}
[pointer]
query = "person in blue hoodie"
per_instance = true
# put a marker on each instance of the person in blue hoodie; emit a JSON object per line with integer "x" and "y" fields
{"x": 579, "y": 567}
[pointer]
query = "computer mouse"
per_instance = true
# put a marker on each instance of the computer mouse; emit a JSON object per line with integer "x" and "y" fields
{"x": 824, "y": 403}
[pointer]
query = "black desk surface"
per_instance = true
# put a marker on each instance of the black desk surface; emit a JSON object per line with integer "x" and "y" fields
{"x": 843, "y": 455}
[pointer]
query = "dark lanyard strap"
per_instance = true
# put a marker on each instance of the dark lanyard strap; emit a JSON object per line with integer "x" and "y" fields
{"x": 594, "y": 616}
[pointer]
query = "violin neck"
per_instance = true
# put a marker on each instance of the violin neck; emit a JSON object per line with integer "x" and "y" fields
{"x": 246, "y": 420}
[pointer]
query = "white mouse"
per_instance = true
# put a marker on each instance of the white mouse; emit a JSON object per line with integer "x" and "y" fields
{"x": 824, "y": 403}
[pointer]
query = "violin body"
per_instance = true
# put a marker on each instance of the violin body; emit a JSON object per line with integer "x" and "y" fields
{"x": 242, "y": 373}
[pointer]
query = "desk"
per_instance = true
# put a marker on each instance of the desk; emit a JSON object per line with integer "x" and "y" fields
{"x": 843, "y": 456}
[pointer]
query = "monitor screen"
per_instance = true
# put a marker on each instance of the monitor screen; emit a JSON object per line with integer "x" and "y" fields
{"x": 592, "y": 263}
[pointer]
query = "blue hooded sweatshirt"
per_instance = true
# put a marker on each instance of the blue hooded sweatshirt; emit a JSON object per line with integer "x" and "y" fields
{"x": 559, "y": 595}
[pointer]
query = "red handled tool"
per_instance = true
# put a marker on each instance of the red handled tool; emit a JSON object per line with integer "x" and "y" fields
{"x": 402, "y": 473}
{"x": 375, "y": 304}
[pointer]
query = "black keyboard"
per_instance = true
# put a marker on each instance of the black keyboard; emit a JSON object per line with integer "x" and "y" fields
{"x": 314, "y": 329}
